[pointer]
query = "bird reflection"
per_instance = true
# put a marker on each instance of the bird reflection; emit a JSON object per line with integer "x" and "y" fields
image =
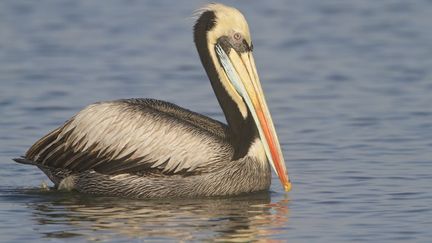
{"x": 243, "y": 218}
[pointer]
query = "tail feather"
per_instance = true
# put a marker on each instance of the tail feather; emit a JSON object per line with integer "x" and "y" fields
{"x": 24, "y": 160}
{"x": 54, "y": 174}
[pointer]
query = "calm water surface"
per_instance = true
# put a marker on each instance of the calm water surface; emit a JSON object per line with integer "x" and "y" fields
{"x": 349, "y": 84}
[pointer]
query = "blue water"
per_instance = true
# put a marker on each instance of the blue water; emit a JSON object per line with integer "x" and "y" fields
{"x": 349, "y": 84}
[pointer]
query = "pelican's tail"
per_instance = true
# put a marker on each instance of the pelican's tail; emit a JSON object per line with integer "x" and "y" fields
{"x": 24, "y": 160}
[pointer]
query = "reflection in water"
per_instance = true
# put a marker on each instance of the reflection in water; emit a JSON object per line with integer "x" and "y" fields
{"x": 242, "y": 218}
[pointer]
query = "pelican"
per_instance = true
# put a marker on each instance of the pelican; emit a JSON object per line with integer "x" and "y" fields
{"x": 146, "y": 148}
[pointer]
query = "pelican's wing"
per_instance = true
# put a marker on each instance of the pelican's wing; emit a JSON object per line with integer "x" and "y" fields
{"x": 135, "y": 135}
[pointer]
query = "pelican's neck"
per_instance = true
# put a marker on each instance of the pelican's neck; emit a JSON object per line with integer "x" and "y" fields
{"x": 242, "y": 127}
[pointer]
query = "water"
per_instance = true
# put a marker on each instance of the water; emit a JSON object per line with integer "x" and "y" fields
{"x": 349, "y": 85}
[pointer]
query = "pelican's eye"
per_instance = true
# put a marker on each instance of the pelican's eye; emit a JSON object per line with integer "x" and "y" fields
{"x": 237, "y": 36}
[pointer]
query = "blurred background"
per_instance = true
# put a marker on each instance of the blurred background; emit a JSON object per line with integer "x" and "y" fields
{"x": 349, "y": 85}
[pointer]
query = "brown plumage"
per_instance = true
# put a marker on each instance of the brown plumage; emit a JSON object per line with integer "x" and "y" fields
{"x": 145, "y": 148}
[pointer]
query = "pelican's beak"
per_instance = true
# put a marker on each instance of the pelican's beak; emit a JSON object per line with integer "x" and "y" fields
{"x": 241, "y": 71}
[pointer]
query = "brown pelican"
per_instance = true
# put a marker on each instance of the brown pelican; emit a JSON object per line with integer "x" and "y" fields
{"x": 145, "y": 148}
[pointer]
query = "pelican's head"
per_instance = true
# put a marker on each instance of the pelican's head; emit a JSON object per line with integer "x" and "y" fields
{"x": 225, "y": 46}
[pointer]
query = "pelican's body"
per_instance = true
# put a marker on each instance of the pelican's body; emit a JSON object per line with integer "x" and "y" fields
{"x": 146, "y": 148}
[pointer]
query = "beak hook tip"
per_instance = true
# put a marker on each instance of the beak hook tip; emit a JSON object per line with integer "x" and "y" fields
{"x": 287, "y": 186}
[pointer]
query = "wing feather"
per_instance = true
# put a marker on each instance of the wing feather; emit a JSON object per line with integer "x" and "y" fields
{"x": 135, "y": 135}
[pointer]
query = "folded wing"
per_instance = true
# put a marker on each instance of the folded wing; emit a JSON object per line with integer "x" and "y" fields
{"x": 135, "y": 136}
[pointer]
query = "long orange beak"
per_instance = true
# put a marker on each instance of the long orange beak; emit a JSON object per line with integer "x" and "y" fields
{"x": 240, "y": 69}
